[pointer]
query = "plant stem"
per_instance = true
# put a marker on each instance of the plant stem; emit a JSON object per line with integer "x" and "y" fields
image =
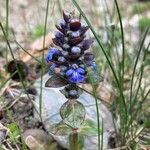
{"x": 7, "y": 26}
{"x": 42, "y": 69}
{"x": 98, "y": 120}
{"x": 73, "y": 139}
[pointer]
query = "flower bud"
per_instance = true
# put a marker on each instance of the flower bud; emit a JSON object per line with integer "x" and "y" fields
{"x": 75, "y": 24}
{"x": 61, "y": 59}
{"x": 76, "y": 50}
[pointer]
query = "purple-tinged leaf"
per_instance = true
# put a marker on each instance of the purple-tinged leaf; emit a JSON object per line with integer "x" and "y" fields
{"x": 55, "y": 82}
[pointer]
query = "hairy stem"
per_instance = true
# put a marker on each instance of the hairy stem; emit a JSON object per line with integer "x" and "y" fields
{"x": 73, "y": 139}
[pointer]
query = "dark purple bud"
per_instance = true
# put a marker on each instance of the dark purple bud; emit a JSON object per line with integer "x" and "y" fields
{"x": 57, "y": 42}
{"x": 83, "y": 29}
{"x": 73, "y": 57}
{"x": 88, "y": 57}
{"x": 74, "y": 41}
{"x": 75, "y": 24}
{"x": 59, "y": 36}
{"x": 86, "y": 44}
{"x": 60, "y": 29}
{"x": 76, "y": 50}
{"x": 66, "y": 16}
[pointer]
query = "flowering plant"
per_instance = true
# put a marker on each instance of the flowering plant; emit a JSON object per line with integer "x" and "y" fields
{"x": 71, "y": 64}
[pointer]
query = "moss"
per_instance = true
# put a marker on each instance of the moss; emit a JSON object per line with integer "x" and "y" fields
{"x": 144, "y": 23}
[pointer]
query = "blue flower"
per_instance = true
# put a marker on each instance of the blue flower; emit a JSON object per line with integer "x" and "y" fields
{"x": 51, "y": 53}
{"x": 75, "y": 74}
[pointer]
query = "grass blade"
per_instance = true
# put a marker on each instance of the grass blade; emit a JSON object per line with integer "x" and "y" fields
{"x": 42, "y": 69}
{"x": 135, "y": 65}
{"x": 123, "y": 44}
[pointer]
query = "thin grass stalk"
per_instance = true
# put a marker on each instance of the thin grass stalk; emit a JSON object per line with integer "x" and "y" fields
{"x": 123, "y": 107}
{"x": 14, "y": 61}
{"x": 102, "y": 135}
{"x": 28, "y": 53}
{"x": 122, "y": 37}
{"x": 42, "y": 69}
{"x": 3, "y": 84}
{"x": 140, "y": 104}
{"x": 98, "y": 116}
{"x": 141, "y": 76}
{"x": 138, "y": 87}
{"x": 132, "y": 78}
{"x": 124, "y": 119}
{"x": 7, "y": 26}
{"x": 135, "y": 65}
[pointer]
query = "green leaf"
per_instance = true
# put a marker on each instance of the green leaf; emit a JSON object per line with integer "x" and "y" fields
{"x": 89, "y": 128}
{"x": 60, "y": 129}
{"x": 73, "y": 113}
{"x": 14, "y": 131}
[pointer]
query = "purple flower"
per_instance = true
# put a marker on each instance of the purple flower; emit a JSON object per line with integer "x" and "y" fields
{"x": 71, "y": 60}
{"x": 52, "y": 54}
{"x": 75, "y": 74}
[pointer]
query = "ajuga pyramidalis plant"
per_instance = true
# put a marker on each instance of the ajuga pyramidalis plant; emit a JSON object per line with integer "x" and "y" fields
{"x": 71, "y": 64}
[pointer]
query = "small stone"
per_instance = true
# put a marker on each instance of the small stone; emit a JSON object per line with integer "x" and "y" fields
{"x": 3, "y": 133}
{"x": 37, "y": 139}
